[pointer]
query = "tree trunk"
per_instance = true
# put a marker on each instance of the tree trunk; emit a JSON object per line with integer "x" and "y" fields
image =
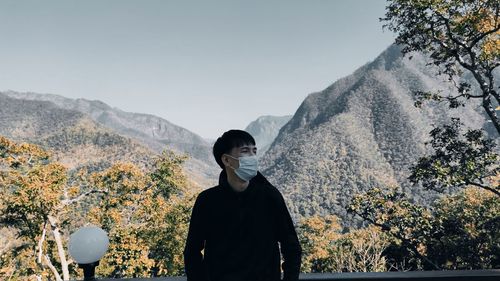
{"x": 60, "y": 248}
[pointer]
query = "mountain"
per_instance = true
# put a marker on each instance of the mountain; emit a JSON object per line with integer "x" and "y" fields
{"x": 152, "y": 131}
{"x": 363, "y": 131}
{"x": 74, "y": 139}
{"x": 265, "y": 129}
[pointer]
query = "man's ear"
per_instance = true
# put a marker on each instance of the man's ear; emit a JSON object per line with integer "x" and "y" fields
{"x": 225, "y": 160}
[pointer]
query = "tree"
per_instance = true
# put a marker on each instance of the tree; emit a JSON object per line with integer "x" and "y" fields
{"x": 360, "y": 250}
{"x": 458, "y": 160}
{"x": 466, "y": 231}
{"x": 115, "y": 212}
{"x": 146, "y": 216}
{"x": 326, "y": 249}
{"x": 316, "y": 235}
{"x": 459, "y": 232}
{"x": 458, "y": 35}
{"x": 34, "y": 200}
{"x": 409, "y": 224}
{"x": 145, "y": 212}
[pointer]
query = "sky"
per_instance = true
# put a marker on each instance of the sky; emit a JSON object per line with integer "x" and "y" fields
{"x": 207, "y": 66}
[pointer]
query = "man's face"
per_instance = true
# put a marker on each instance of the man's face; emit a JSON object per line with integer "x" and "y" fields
{"x": 236, "y": 152}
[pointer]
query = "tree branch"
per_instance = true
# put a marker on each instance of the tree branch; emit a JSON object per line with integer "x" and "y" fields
{"x": 448, "y": 30}
{"x": 385, "y": 227}
{"x": 495, "y": 95}
{"x": 463, "y": 95}
{"x": 491, "y": 113}
{"x": 52, "y": 268}
{"x": 60, "y": 248}
{"x": 453, "y": 52}
{"x": 66, "y": 202}
{"x": 491, "y": 80}
{"x": 482, "y": 35}
{"x": 496, "y": 192}
{"x": 40, "y": 243}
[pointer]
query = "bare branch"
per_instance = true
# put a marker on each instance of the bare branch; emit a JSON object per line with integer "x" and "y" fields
{"x": 66, "y": 202}
{"x": 52, "y": 268}
{"x": 60, "y": 248}
{"x": 496, "y": 192}
{"x": 385, "y": 227}
{"x": 464, "y": 95}
{"x": 40, "y": 244}
{"x": 65, "y": 193}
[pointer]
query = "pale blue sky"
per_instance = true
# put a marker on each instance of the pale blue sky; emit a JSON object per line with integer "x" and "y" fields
{"x": 207, "y": 66}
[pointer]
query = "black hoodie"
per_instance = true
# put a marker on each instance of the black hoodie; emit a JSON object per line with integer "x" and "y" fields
{"x": 239, "y": 234}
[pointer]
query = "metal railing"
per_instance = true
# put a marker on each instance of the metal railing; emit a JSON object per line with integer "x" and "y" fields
{"x": 450, "y": 275}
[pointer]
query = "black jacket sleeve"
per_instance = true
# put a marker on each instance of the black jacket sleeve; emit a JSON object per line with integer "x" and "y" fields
{"x": 193, "y": 259}
{"x": 289, "y": 243}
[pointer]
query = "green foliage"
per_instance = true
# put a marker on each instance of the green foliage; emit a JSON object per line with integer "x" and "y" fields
{"x": 166, "y": 240}
{"x": 167, "y": 173}
{"x": 458, "y": 35}
{"x": 408, "y": 223}
{"x": 458, "y": 160}
{"x": 127, "y": 255}
{"x": 442, "y": 26}
{"x": 461, "y": 232}
{"x": 466, "y": 231}
{"x": 156, "y": 224}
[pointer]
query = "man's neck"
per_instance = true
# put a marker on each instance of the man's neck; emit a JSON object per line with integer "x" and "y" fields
{"x": 236, "y": 183}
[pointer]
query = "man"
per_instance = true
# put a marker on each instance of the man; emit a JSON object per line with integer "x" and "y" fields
{"x": 239, "y": 223}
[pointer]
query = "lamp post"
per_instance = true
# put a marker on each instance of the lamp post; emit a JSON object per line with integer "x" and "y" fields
{"x": 87, "y": 246}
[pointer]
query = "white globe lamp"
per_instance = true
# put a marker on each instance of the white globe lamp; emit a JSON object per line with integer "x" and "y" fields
{"x": 87, "y": 246}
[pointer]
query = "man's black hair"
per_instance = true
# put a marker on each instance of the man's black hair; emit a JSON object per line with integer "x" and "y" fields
{"x": 230, "y": 140}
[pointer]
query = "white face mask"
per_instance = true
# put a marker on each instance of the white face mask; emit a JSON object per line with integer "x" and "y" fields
{"x": 248, "y": 167}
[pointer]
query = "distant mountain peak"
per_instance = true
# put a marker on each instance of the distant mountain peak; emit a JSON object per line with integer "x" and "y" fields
{"x": 265, "y": 129}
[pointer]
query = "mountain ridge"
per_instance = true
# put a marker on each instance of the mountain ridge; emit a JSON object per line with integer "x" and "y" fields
{"x": 75, "y": 139}
{"x": 362, "y": 131}
{"x": 264, "y": 129}
{"x": 154, "y": 132}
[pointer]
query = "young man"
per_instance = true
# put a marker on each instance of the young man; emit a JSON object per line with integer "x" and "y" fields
{"x": 239, "y": 223}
